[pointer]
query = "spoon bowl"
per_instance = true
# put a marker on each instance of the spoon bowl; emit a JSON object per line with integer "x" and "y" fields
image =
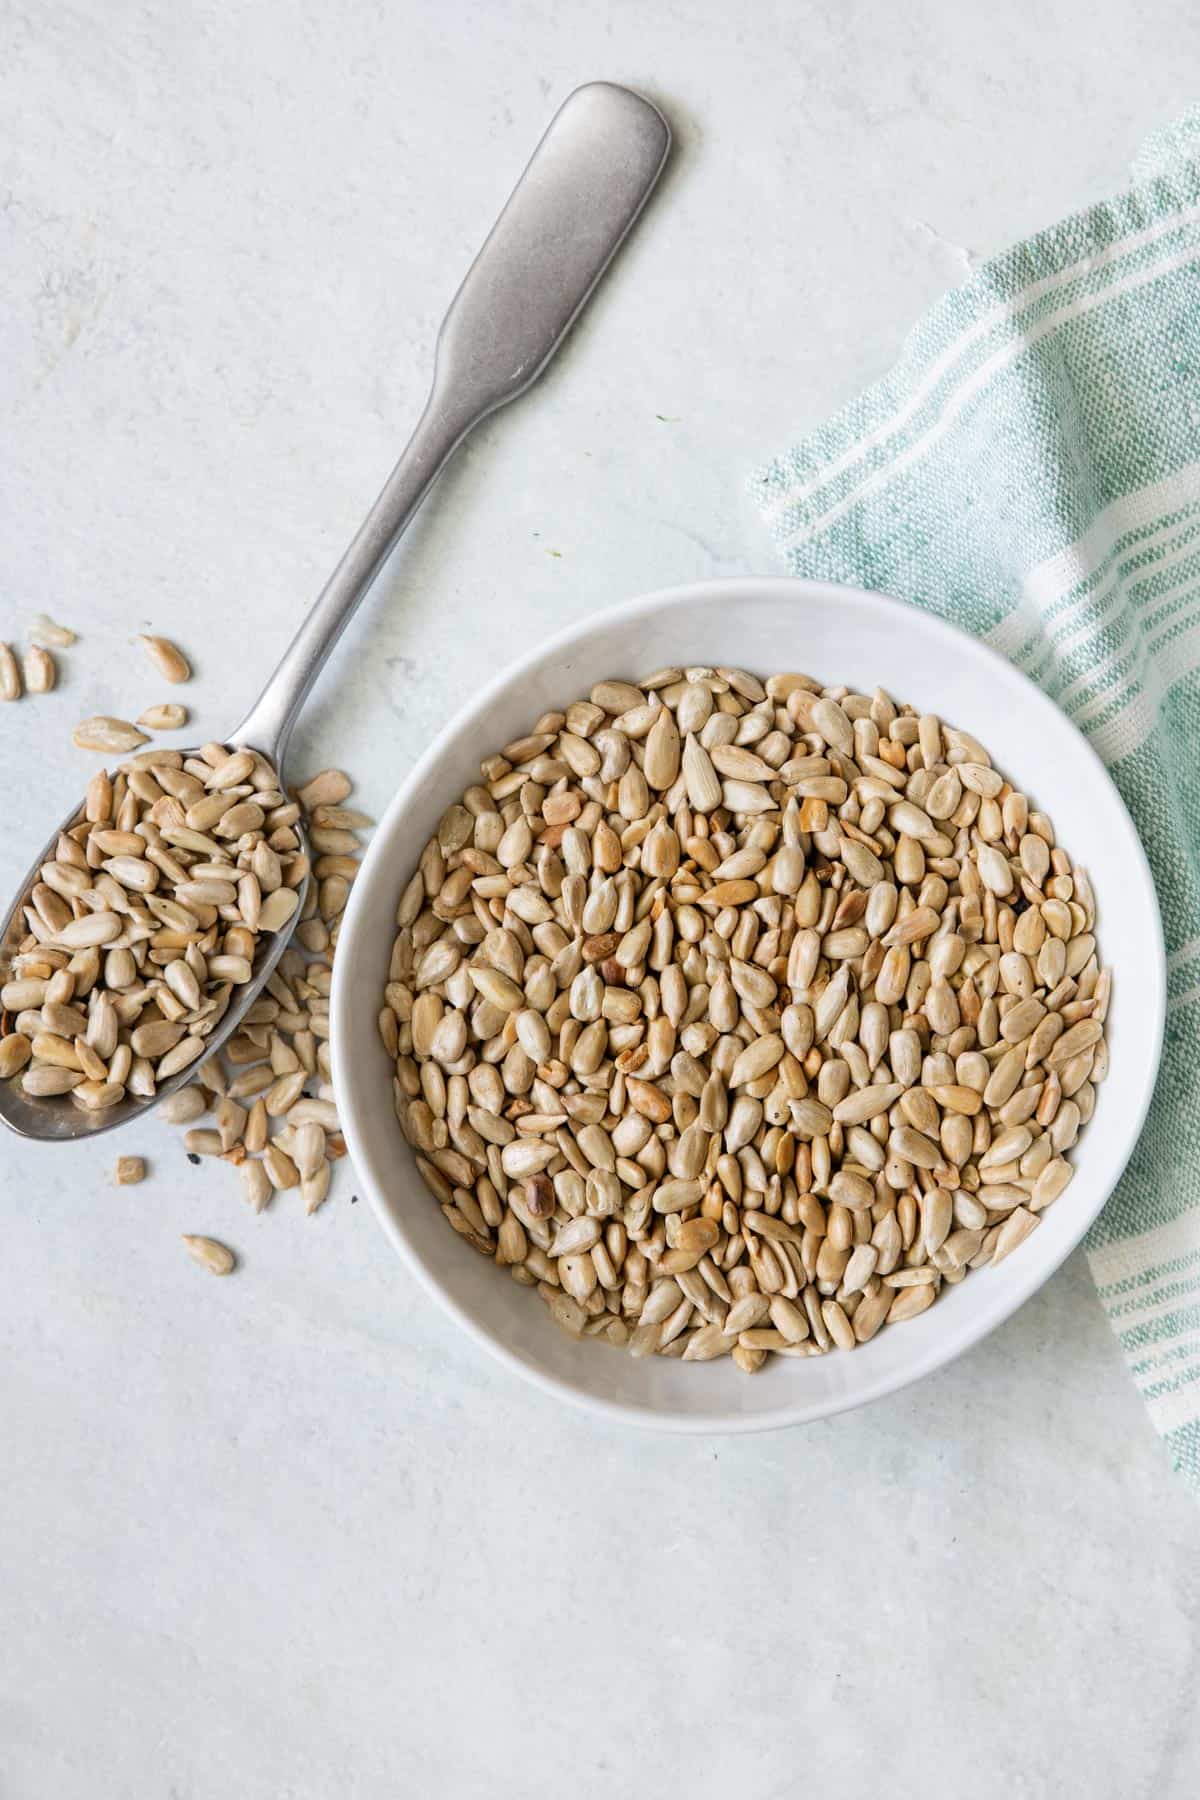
{"x": 53, "y": 1118}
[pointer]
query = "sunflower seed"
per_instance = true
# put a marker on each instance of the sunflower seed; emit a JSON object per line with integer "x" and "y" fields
{"x": 211, "y": 1255}
{"x": 314, "y": 1188}
{"x": 166, "y": 717}
{"x": 329, "y": 788}
{"x": 256, "y": 1185}
{"x": 40, "y": 670}
{"x": 167, "y": 658}
{"x": 15, "y": 1051}
{"x": 111, "y": 736}
{"x": 43, "y": 630}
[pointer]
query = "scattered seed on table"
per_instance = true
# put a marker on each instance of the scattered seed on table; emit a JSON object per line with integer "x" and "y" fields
{"x": 169, "y": 716}
{"x": 40, "y": 670}
{"x": 183, "y": 1106}
{"x": 10, "y": 674}
{"x": 111, "y": 736}
{"x": 44, "y": 630}
{"x": 167, "y": 658}
{"x": 217, "y": 1258}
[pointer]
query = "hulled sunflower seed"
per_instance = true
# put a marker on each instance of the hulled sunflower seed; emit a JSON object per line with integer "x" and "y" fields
{"x": 256, "y": 1185}
{"x": 110, "y": 736}
{"x": 167, "y": 658}
{"x": 10, "y": 674}
{"x": 15, "y": 1051}
{"x": 183, "y": 1106}
{"x": 40, "y": 670}
{"x": 217, "y": 1258}
{"x": 166, "y": 717}
{"x": 43, "y": 630}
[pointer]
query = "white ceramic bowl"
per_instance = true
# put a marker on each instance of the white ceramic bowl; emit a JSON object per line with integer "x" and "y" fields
{"x": 839, "y": 635}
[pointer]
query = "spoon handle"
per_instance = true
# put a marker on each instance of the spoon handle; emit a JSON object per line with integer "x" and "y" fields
{"x": 582, "y": 190}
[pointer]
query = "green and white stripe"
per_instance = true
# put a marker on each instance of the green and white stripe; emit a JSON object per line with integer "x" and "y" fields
{"x": 1030, "y": 469}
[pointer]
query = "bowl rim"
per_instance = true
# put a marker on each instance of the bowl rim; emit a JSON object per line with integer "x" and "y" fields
{"x": 995, "y": 1309}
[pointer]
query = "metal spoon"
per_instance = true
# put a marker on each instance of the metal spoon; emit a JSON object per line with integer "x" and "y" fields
{"x": 584, "y": 186}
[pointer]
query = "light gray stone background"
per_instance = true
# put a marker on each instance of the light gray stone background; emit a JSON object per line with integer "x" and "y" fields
{"x": 290, "y": 1535}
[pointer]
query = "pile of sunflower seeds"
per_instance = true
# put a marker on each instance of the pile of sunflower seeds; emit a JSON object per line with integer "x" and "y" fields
{"x": 739, "y": 1017}
{"x": 177, "y": 872}
{"x": 145, "y": 920}
{"x": 148, "y": 839}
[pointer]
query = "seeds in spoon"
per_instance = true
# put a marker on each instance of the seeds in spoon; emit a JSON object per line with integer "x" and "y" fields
{"x": 136, "y": 930}
{"x": 15, "y": 1051}
{"x": 309, "y": 1142}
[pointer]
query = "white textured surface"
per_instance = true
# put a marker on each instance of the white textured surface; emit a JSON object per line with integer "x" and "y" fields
{"x": 288, "y": 1534}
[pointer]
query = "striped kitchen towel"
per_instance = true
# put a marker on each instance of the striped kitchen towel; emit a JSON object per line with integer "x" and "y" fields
{"x": 1030, "y": 470}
